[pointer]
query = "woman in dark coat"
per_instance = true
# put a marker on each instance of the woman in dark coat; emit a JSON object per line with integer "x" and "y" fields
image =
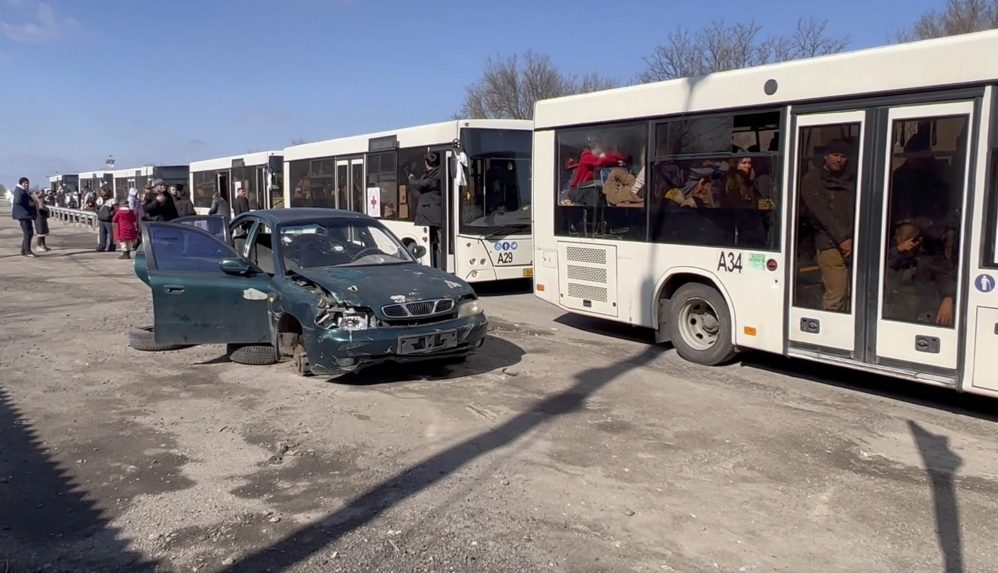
{"x": 41, "y": 222}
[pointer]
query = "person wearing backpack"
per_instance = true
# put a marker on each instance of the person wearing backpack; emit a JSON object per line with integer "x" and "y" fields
{"x": 105, "y": 217}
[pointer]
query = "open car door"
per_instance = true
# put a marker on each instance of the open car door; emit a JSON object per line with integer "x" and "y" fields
{"x": 202, "y": 291}
{"x": 213, "y": 224}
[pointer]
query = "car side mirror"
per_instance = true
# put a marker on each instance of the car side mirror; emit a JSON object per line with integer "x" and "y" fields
{"x": 417, "y": 251}
{"x": 236, "y": 266}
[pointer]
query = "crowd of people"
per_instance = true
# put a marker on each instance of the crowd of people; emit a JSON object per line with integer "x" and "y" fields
{"x": 119, "y": 219}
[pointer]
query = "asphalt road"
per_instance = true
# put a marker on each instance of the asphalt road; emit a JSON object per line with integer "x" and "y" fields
{"x": 566, "y": 445}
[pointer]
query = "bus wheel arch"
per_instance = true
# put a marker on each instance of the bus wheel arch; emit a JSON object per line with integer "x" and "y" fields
{"x": 694, "y": 314}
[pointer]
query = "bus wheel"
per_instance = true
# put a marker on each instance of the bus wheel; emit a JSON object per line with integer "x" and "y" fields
{"x": 700, "y": 325}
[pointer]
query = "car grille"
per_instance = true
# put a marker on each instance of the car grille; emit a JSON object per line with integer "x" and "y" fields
{"x": 418, "y": 309}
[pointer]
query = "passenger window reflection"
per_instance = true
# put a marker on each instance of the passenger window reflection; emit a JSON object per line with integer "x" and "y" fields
{"x": 925, "y": 195}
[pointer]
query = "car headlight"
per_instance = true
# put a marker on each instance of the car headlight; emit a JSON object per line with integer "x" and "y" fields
{"x": 469, "y": 308}
{"x": 353, "y": 321}
{"x": 346, "y": 320}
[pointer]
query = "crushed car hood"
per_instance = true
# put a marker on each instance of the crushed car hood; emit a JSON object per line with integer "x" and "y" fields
{"x": 380, "y": 285}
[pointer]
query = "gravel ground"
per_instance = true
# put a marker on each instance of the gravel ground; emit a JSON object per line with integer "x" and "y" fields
{"x": 564, "y": 445}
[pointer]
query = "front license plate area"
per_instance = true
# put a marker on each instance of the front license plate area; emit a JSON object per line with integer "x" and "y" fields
{"x": 427, "y": 342}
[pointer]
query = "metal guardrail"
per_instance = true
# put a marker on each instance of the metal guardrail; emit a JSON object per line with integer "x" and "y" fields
{"x": 72, "y": 217}
{"x": 75, "y": 218}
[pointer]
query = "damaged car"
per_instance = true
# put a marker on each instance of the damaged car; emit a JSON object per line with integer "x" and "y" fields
{"x": 330, "y": 291}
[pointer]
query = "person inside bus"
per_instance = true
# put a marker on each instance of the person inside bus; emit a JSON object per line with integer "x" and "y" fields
{"x": 591, "y": 160}
{"x": 828, "y": 194}
{"x": 747, "y": 207}
{"x": 919, "y": 187}
{"x": 920, "y": 280}
{"x": 739, "y": 190}
{"x": 624, "y": 189}
{"x": 429, "y": 205}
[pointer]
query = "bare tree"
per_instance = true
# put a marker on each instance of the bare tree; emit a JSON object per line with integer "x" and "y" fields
{"x": 958, "y": 17}
{"x": 510, "y": 86}
{"x": 719, "y": 47}
{"x": 809, "y": 40}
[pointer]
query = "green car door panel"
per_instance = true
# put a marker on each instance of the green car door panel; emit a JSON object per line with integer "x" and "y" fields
{"x": 194, "y": 300}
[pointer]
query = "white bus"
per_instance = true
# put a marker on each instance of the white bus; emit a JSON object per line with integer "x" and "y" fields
{"x": 66, "y": 181}
{"x": 93, "y": 181}
{"x": 138, "y": 177}
{"x": 259, "y": 173}
{"x": 840, "y": 209}
{"x": 485, "y": 231}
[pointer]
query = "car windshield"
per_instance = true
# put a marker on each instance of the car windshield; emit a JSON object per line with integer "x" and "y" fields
{"x": 339, "y": 243}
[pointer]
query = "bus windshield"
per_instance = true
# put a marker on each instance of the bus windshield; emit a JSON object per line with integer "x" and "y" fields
{"x": 497, "y": 196}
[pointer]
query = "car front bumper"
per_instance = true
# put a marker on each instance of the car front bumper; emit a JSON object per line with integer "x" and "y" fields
{"x": 336, "y": 351}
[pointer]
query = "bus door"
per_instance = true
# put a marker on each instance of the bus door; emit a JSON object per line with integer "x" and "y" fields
{"x": 878, "y": 197}
{"x": 223, "y": 187}
{"x": 448, "y": 211}
{"x": 827, "y": 186}
{"x": 350, "y": 193}
{"x": 920, "y": 252}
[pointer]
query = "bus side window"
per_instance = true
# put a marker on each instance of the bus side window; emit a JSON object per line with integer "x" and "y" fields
{"x": 597, "y": 194}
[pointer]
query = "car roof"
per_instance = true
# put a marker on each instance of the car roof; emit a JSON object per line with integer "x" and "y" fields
{"x": 302, "y": 215}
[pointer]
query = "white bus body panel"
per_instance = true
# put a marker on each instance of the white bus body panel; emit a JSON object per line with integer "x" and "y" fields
{"x": 757, "y": 298}
{"x": 980, "y": 373}
{"x": 475, "y": 259}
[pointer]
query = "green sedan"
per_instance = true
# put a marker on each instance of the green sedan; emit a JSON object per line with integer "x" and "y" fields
{"x": 331, "y": 290}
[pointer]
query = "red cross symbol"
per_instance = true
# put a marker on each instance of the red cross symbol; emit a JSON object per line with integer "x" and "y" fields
{"x": 374, "y": 202}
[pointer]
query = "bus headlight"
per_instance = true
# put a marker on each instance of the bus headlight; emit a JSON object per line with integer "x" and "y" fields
{"x": 469, "y": 308}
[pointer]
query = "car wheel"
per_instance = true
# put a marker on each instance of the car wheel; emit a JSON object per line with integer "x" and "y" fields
{"x": 299, "y": 360}
{"x": 700, "y": 325}
{"x": 252, "y": 354}
{"x": 144, "y": 339}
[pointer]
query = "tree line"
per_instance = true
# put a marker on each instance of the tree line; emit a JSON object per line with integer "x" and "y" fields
{"x": 510, "y": 85}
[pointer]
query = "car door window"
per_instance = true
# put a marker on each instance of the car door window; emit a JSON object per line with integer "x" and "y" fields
{"x": 186, "y": 248}
{"x": 210, "y": 223}
{"x": 262, "y": 250}
{"x": 240, "y": 233}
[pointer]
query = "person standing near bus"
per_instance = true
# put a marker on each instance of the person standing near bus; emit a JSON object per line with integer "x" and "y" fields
{"x": 829, "y": 197}
{"x": 241, "y": 202}
{"x": 23, "y": 210}
{"x": 219, "y": 206}
{"x": 429, "y": 205}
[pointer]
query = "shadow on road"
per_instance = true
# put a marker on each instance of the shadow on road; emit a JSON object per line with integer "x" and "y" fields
{"x": 619, "y": 330}
{"x": 495, "y": 354}
{"x": 365, "y": 508}
{"x": 504, "y": 288}
{"x": 941, "y": 463}
{"x": 866, "y": 382}
{"x": 43, "y": 513}
{"x": 936, "y": 397}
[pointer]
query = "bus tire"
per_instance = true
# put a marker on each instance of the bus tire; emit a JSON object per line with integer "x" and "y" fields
{"x": 699, "y": 324}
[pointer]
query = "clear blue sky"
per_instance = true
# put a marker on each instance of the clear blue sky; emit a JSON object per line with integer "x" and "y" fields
{"x": 155, "y": 82}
